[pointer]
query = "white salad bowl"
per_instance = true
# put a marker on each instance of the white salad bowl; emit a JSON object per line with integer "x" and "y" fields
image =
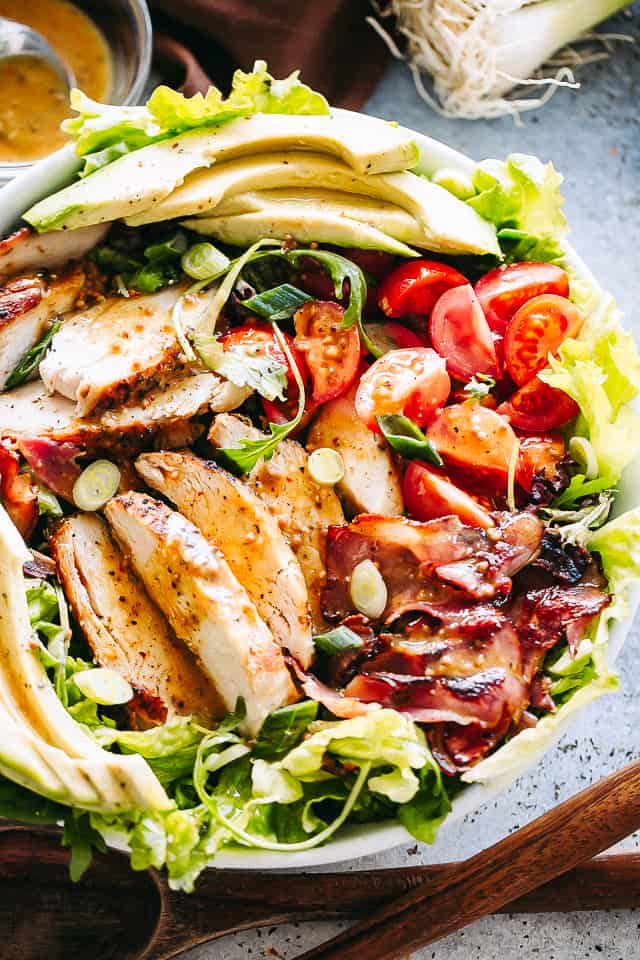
{"x": 353, "y": 841}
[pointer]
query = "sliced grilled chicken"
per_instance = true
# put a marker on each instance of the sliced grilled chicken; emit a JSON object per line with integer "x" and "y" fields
{"x": 27, "y": 306}
{"x": 125, "y": 630}
{"x": 25, "y": 250}
{"x": 116, "y": 350}
{"x": 31, "y": 411}
{"x": 206, "y": 606}
{"x": 371, "y": 482}
{"x": 303, "y": 509}
{"x": 234, "y": 519}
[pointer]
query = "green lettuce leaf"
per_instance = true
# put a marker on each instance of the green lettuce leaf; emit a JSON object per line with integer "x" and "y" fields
{"x": 601, "y": 371}
{"x": 103, "y": 132}
{"x": 522, "y": 197}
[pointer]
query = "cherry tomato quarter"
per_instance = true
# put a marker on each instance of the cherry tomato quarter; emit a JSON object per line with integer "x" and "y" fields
{"x": 539, "y": 456}
{"x": 331, "y": 352}
{"x": 394, "y": 336}
{"x": 536, "y": 407}
{"x": 460, "y": 333}
{"x": 474, "y": 437}
{"x": 536, "y": 330}
{"x": 429, "y": 494}
{"x": 503, "y": 290}
{"x": 413, "y": 382}
{"x": 415, "y": 285}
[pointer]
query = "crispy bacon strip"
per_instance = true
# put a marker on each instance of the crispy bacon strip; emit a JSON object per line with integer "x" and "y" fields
{"x": 336, "y": 702}
{"x": 53, "y": 463}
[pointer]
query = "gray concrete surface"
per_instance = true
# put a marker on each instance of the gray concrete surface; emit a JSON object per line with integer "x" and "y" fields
{"x": 593, "y": 136}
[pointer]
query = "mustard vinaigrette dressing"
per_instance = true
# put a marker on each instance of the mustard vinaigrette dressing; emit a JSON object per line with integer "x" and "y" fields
{"x": 33, "y": 101}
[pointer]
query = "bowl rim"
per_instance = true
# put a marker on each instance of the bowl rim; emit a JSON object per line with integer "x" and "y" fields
{"x": 360, "y": 840}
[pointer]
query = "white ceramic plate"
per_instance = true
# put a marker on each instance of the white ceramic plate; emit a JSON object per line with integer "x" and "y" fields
{"x": 358, "y": 840}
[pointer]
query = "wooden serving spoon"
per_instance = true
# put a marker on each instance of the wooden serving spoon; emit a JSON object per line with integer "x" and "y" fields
{"x": 579, "y": 828}
{"x": 120, "y": 915}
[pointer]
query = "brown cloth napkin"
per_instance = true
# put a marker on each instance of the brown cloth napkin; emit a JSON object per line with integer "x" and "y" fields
{"x": 336, "y": 51}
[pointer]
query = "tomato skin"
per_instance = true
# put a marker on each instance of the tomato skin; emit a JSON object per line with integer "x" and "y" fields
{"x": 394, "y": 336}
{"x": 539, "y": 454}
{"x": 429, "y": 494}
{"x": 503, "y": 290}
{"x": 475, "y": 438}
{"x": 376, "y": 263}
{"x": 415, "y": 285}
{"x": 537, "y": 407}
{"x": 331, "y": 352}
{"x": 413, "y": 382}
{"x": 460, "y": 333}
{"x": 536, "y": 330}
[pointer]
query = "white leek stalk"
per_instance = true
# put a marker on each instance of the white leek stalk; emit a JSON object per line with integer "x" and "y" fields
{"x": 476, "y": 51}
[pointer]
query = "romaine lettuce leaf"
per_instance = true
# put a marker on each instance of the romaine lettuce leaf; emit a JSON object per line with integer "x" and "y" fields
{"x": 103, "y": 132}
{"x": 522, "y": 197}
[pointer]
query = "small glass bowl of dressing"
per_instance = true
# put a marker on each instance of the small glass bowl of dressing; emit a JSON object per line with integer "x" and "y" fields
{"x": 108, "y": 47}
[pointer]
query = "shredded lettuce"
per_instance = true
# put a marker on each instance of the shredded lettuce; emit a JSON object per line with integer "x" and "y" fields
{"x": 103, "y": 132}
{"x": 521, "y": 196}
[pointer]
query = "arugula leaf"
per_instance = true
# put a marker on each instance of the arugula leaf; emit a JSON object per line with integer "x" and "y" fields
{"x": 283, "y": 729}
{"x": 279, "y": 303}
{"x": 580, "y": 487}
{"x": 243, "y": 366}
{"x": 338, "y": 641}
{"x": 32, "y": 358}
{"x": 408, "y": 440}
{"x": 246, "y": 456}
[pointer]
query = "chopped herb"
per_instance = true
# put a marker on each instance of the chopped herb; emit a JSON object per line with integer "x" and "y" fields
{"x": 408, "y": 440}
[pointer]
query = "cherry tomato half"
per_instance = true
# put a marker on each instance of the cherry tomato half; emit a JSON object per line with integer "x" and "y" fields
{"x": 474, "y": 437}
{"x": 539, "y": 455}
{"x": 262, "y": 342}
{"x": 376, "y": 263}
{"x": 415, "y": 285}
{"x": 429, "y": 494}
{"x": 394, "y": 336}
{"x": 332, "y": 353}
{"x": 503, "y": 290}
{"x": 413, "y": 382}
{"x": 460, "y": 333}
{"x": 536, "y": 330}
{"x": 537, "y": 407}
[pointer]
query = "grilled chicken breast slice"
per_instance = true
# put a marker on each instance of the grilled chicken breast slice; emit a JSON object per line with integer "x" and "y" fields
{"x": 31, "y": 411}
{"x": 116, "y": 350}
{"x": 206, "y": 606}
{"x": 234, "y": 519}
{"x": 125, "y": 630}
{"x": 371, "y": 482}
{"x": 27, "y": 307}
{"x": 304, "y": 509}
{"x": 25, "y": 250}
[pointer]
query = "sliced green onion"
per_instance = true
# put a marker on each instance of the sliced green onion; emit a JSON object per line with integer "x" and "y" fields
{"x": 203, "y": 260}
{"x": 104, "y": 686}
{"x": 585, "y": 456}
{"x": 278, "y": 303}
{"x": 48, "y": 504}
{"x": 326, "y": 466}
{"x": 337, "y": 641}
{"x": 368, "y": 589}
{"x": 96, "y": 485}
{"x": 457, "y": 183}
{"x": 407, "y": 439}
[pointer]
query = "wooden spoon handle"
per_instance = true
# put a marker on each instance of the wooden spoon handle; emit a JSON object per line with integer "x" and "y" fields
{"x": 551, "y": 845}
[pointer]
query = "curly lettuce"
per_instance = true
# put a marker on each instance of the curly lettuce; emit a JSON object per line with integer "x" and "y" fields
{"x": 104, "y": 132}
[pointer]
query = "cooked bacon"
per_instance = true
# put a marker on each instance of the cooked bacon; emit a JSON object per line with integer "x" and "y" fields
{"x": 336, "y": 702}
{"x": 488, "y": 572}
{"x": 19, "y": 496}
{"x": 483, "y": 698}
{"x": 539, "y": 695}
{"x": 562, "y": 561}
{"x": 457, "y": 748}
{"x": 53, "y": 463}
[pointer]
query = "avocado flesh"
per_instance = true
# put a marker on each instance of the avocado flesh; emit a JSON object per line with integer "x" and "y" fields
{"x": 448, "y": 224}
{"x": 323, "y": 223}
{"x": 41, "y": 745}
{"x": 144, "y": 177}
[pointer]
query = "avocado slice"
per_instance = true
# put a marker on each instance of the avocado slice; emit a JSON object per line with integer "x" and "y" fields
{"x": 322, "y": 218}
{"x": 144, "y": 177}
{"x": 41, "y": 745}
{"x": 448, "y": 225}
